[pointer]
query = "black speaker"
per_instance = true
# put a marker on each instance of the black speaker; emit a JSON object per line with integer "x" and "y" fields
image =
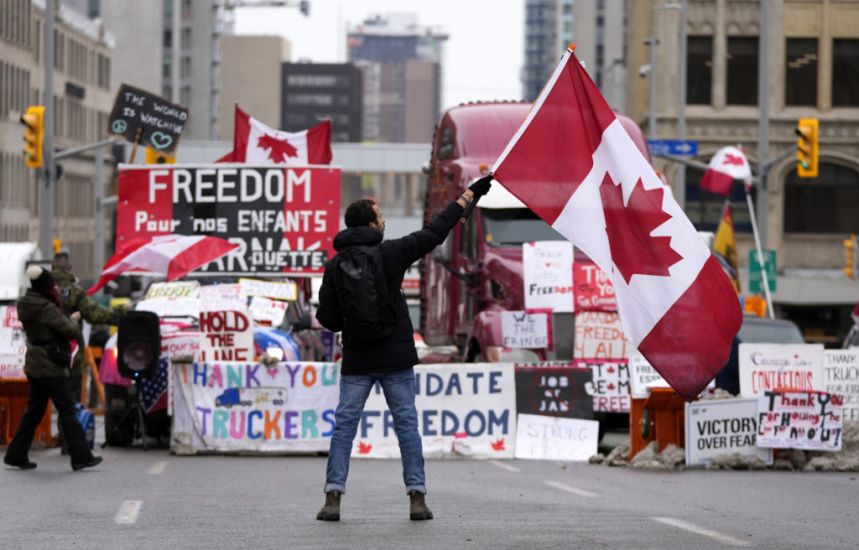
{"x": 139, "y": 343}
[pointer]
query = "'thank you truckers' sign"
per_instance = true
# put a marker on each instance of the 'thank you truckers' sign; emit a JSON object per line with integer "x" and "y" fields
{"x": 284, "y": 219}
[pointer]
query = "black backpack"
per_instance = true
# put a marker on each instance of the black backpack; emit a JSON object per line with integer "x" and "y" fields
{"x": 362, "y": 293}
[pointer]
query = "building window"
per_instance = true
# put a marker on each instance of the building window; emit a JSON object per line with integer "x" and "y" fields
{"x": 742, "y": 70}
{"x": 800, "y": 80}
{"x": 845, "y": 72}
{"x": 705, "y": 208}
{"x": 834, "y": 192}
{"x": 699, "y": 63}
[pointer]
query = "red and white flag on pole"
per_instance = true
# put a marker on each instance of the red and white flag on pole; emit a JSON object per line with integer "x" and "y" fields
{"x": 727, "y": 165}
{"x": 574, "y": 164}
{"x": 256, "y": 143}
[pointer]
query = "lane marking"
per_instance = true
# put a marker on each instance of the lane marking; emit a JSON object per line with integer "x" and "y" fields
{"x": 703, "y": 531}
{"x": 503, "y": 466}
{"x": 157, "y": 468}
{"x": 128, "y": 511}
{"x": 571, "y": 489}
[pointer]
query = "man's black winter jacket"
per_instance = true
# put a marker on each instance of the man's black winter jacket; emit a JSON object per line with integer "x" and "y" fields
{"x": 397, "y": 350}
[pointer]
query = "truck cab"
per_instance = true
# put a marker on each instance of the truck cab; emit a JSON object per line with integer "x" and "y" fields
{"x": 477, "y": 272}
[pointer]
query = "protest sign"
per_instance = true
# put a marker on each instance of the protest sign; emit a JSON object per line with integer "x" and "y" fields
{"x": 269, "y": 289}
{"x": 780, "y": 366}
{"x": 521, "y": 329}
{"x": 598, "y": 335}
{"x": 13, "y": 344}
{"x": 643, "y": 376}
{"x": 548, "y": 275}
{"x": 720, "y": 427}
{"x": 225, "y": 336}
{"x": 267, "y": 311}
{"x": 464, "y": 409}
{"x": 12, "y": 366}
{"x": 800, "y": 420}
{"x": 593, "y": 289}
{"x": 841, "y": 376}
{"x": 609, "y": 386}
{"x": 553, "y": 389}
{"x": 253, "y": 407}
{"x": 222, "y": 297}
{"x": 172, "y": 290}
{"x": 174, "y": 299}
{"x": 143, "y": 117}
{"x": 282, "y": 219}
{"x": 546, "y": 438}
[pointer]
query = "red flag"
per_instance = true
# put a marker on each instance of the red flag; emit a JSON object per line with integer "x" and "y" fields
{"x": 256, "y": 143}
{"x": 573, "y": 163}
{"x": 727, "y": 165}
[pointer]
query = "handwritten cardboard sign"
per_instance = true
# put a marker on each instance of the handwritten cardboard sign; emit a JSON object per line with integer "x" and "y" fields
{"x": 594, "y": 290}
{"x": 225, "y": 336}
{"x": 720, "y": 427}
{"x": 173, "y": 290}
{"x": 598, "y": 335}
{"x": 143, "y": 117}
{"x": 267, "y": 311}
{"x": 269, "y": 289}
{"x": 780, "y": 366}
{"x": 548, "y": 275}
{"x": 800, "y": 420}
{"x": 547, "y": 438}
{"x": 520, "y": 329}
{"x": 609, "y": 386}
{"x": 643, "y": 376}
{"x": 222, "y": 296}
{"x": 841, "y": 376}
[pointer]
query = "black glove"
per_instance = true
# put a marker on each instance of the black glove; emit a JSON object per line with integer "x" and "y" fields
{"x": 481, "y": 186}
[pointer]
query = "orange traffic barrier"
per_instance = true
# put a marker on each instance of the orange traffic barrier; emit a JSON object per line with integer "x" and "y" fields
{"x": 659, "y": 418}
{"x": 13, "y": 402}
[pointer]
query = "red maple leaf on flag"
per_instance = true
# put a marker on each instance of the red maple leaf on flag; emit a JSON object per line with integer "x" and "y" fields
{"x": 498, "y": 445}
{"x": 633, "y": 249}
{"x": 732, "y": 160}
{"x": 279, "y": 149}
{"x": 364, "y": 448}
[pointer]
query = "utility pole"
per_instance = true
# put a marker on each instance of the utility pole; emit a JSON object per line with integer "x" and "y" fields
{"x": 763, "y": 121}
{"x": 651, "y": 115}
{"x": 46, "y": 225}
{"x": 680, "y": 188}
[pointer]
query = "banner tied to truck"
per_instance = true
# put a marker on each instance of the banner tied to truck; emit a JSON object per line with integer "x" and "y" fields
{"x": 283, "y": 219}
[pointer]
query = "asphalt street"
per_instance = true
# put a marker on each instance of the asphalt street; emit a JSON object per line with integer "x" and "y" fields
{"x": 151, "y": 499}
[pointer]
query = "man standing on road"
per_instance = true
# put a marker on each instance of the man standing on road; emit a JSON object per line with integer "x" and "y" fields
{"x": 360, "y": 296}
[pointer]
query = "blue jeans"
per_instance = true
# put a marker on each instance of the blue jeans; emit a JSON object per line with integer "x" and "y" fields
{"x": 399, "y": 388}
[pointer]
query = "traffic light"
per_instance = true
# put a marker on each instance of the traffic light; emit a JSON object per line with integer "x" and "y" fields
{"x": 850, "y": 257}
{"x": 159, "y": 157}
{"x": 806, "y": 148}
{"x": 304, "y": 7}
{"x": 57, "y": 245}
{"x": 34, "y": 131}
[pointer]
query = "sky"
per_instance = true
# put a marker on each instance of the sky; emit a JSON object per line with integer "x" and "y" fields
{"x": 483, "y": 55}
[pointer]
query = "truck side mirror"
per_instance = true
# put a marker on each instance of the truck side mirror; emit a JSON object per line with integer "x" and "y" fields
{"x": 443, "y": 253}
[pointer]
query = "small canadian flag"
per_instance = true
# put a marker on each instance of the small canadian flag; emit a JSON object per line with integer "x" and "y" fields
{"x": 727, "y": 165}
{"x": 257, "y": 143}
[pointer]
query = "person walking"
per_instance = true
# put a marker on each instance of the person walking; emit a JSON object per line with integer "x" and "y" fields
{"x": 49, "y": 333}
{"x": 360, "y": 296}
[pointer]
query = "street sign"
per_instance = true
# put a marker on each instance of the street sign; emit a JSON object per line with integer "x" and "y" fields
{"x": 755, "y": 277}
{"x": 676, "y": 147}
{"x": 142, "y": 117}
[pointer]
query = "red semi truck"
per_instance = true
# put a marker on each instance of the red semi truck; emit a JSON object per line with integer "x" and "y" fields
{"x": 477, "y": 273}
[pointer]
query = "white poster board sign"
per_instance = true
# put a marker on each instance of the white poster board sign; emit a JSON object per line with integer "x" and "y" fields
{"x": 267, "y": 311}
{"x": 643, "y": 376}
{"x": 225, "y": 336}
{"x": 548, "y": 275}
{"x": 768, "y": 367}
{"x": 254, "y": 407}
{"x": 520, "y": 329}
{"x": 609, "y": 384}
{"x": 173, "y": 290}
{"x": 721, "y": 427}
{"x": 464, "y": 410}
{"x": 221, "y": 297}
{"x": 13, "y": 344}
{"x": 555, "y": 438}
{"x": 800, "y": 420}
{"x": 841, "y": 376}
{"x": 269, "y": 289}
{"x": 598, "y": 335}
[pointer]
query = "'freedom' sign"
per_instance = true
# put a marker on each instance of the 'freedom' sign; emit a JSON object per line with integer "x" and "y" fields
{"x": 283, "y": 219}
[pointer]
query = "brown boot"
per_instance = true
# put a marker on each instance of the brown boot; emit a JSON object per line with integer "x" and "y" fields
{"x": 418, "y": 510}
{"x": 331, "y": 510}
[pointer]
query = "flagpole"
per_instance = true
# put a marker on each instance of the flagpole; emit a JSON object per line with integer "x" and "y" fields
{"x": 766, "y": 282}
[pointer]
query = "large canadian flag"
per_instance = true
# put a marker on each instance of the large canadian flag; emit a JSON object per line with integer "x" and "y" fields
{"x": 574, "y": 164}
{"x": 256, "y": 143}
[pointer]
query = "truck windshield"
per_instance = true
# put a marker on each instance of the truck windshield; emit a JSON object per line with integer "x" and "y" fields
{"x": 512, "y": 226}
